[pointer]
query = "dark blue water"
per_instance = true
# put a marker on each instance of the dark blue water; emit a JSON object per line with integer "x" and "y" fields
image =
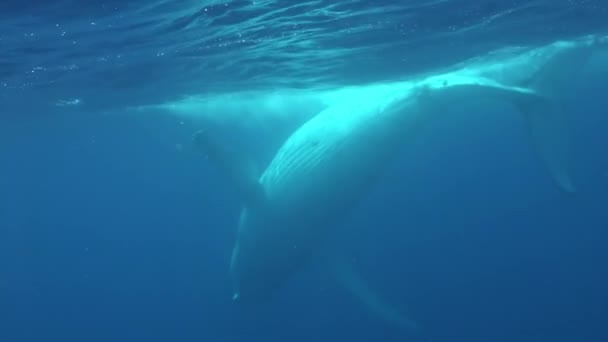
{"x": 113, "y": 228}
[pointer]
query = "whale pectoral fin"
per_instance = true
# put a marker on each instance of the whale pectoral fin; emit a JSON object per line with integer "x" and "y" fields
{"x": 550, "y": 134}
{"x": 547, "y": 119}
{"x": 240, "y": 170}
{"x": 548, "y": 126}
{"x": 347, "y": 274}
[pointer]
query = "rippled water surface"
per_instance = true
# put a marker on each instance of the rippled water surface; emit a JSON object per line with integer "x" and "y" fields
{"x": 127, "y": 52}
{"x": 114, "y": 228}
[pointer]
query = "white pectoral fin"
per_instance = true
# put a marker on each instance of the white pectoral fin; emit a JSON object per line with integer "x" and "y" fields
{"x": 239, "y": 169}
{"x": 547, "y": 121}
{"x": 546, "y": 113}
{"x": 550, "y": 132}
{"x": 346, "y": 273}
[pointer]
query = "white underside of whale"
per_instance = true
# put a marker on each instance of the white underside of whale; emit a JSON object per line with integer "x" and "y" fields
{"x": 331, "y": 160}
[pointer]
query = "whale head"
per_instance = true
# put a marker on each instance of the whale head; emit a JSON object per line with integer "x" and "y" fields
{"x": 254, "y": 280}
{"x": 266, "y": 255}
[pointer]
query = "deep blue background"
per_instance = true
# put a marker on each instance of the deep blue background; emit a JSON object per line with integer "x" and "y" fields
{"x": 109, "y": 231}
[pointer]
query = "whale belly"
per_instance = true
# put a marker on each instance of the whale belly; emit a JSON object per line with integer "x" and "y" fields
{"x": 317, "y": 175}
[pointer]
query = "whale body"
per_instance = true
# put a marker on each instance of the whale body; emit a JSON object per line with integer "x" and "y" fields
{"x": 327, "y": 164}
{"x": 323, "y": 168}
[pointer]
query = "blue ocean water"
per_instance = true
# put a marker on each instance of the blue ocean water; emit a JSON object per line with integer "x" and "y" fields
{"x": 113, "y": 228}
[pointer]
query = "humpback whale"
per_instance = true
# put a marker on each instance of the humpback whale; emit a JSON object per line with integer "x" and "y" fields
{"x": 324, "y": 167}
{"x": 328, "y": 163}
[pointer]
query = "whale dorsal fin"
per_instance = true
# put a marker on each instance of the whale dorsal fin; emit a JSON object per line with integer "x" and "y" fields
{"x": 239, "y": 168}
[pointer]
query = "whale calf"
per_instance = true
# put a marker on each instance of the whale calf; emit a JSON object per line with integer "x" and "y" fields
{"x": 327, "y": 164}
